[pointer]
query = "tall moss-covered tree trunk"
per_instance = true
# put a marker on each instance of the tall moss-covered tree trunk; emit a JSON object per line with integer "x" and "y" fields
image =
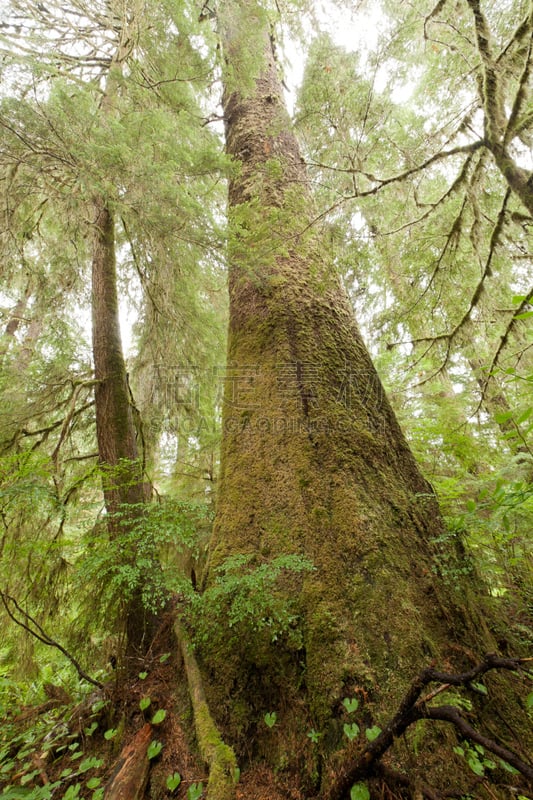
{"x": 313, "y": 460}
{"x": 125, "y": 492}
{"x": 124, "y": 489}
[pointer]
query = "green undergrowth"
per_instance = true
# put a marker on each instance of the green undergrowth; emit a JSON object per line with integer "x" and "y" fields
{"x": 55, "y": 753}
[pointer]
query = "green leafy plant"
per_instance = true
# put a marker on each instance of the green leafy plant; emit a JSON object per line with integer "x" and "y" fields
{"x": 248, "y": 602}
{"x": 159, "y": 716}
{"x": 351, "y": 730}
{"x": 110, "y": 733}
{"x": 359, "y": 791}
{"x": 90, "y": 763}
{"x": 90, "y": 729}
{"x": 372, "y": 733}
{"x": 195, "y": 791}
{"x": 173, "y": 781}
{"x": 314, "y": 735}
{"x": 351, "y": 704}
{"x": 270, "y": 718}
{"x": 154, "y": 748}
{"x": 144, "y": 703}
{"x": 475, "y": 757}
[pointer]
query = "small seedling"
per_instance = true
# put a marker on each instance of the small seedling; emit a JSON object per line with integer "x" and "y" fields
{"x": 159, "y": 716}
{"x": 351, "y": 730}
{"x": 154, "y": 748}
{"x": 164, "y": 658}
{"x": 110, "y": 734}
{"x": 359, "y": 791}
{"x": 173, "y": 781}
{"x": 372, "y": 733}
{"x": 270, "y": 718}
{"x": 90, "y": 729}
{"x": 314, "y": 736}
{"x": 195, "y": 791}
{"x": 143, "y": 675}
{"x": 351, "y": 704}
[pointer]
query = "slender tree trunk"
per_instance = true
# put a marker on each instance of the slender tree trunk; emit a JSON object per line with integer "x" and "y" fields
{"x": 125, "y": 492}
{"x": 313, "y": 460}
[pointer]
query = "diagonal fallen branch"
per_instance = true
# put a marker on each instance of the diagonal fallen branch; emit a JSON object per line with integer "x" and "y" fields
{"x": 414, "y": 707}
{"x": 39, "y": 633}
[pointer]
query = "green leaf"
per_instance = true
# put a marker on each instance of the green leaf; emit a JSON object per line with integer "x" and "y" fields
{"x": 525, "y": 315}
{"x": 195, "y": 791}
{"x": 236, "y": 774}
{"x": 359, "y": 791}
{"x": 314, "y": 735}
{"x": 143, "y": 675}
{"x": 110, "y": 734}
{"x": 475, "y": 765}
{"x": 154, "y": 748}
{"x": 93, "y": 783}
{"x": 90, "y": 729}
{"x": 351, "y": 704}
{"x": 90, "y": 763}
{"x": 372, "y": 733}
{"x": 351, "y": 730}
{"x": 144, "y": 702}
{"x": 173, "y": 781}
{"x": 529, "y": 701}
{"x": 525, "y": 415}
{"x": 480, "y": 687}
{"x": 159, "y": 716}
{"x": 98, "y": 794}
{"x": 164, "y": 658}
{"x": 508, "y": 767}
{"x": 72, "y": 792}
{"x": 270, "y": 718}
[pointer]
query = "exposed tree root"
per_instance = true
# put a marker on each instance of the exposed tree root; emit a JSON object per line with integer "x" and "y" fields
{"x": 130, "y": 775}
{"x": 220, "y": 758}
{"x": 414, "y": 707}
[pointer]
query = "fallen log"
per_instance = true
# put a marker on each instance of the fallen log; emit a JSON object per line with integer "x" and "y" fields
{"x": 130, "y": 774}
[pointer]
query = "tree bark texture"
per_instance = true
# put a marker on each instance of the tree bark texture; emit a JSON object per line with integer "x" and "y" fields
{"x": 114, "y": 418}
{"x": 122, "y": 476}
{"x": 313, "y": 460}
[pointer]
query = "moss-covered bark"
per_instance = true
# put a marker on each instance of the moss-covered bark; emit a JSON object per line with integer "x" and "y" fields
{"x": 122, "y": 476}
{"x": 313, "y": 459}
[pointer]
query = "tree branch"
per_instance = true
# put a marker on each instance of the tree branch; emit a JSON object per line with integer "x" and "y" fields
{"x": 43, "y": 637}
{"x": 413, "y": 708}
